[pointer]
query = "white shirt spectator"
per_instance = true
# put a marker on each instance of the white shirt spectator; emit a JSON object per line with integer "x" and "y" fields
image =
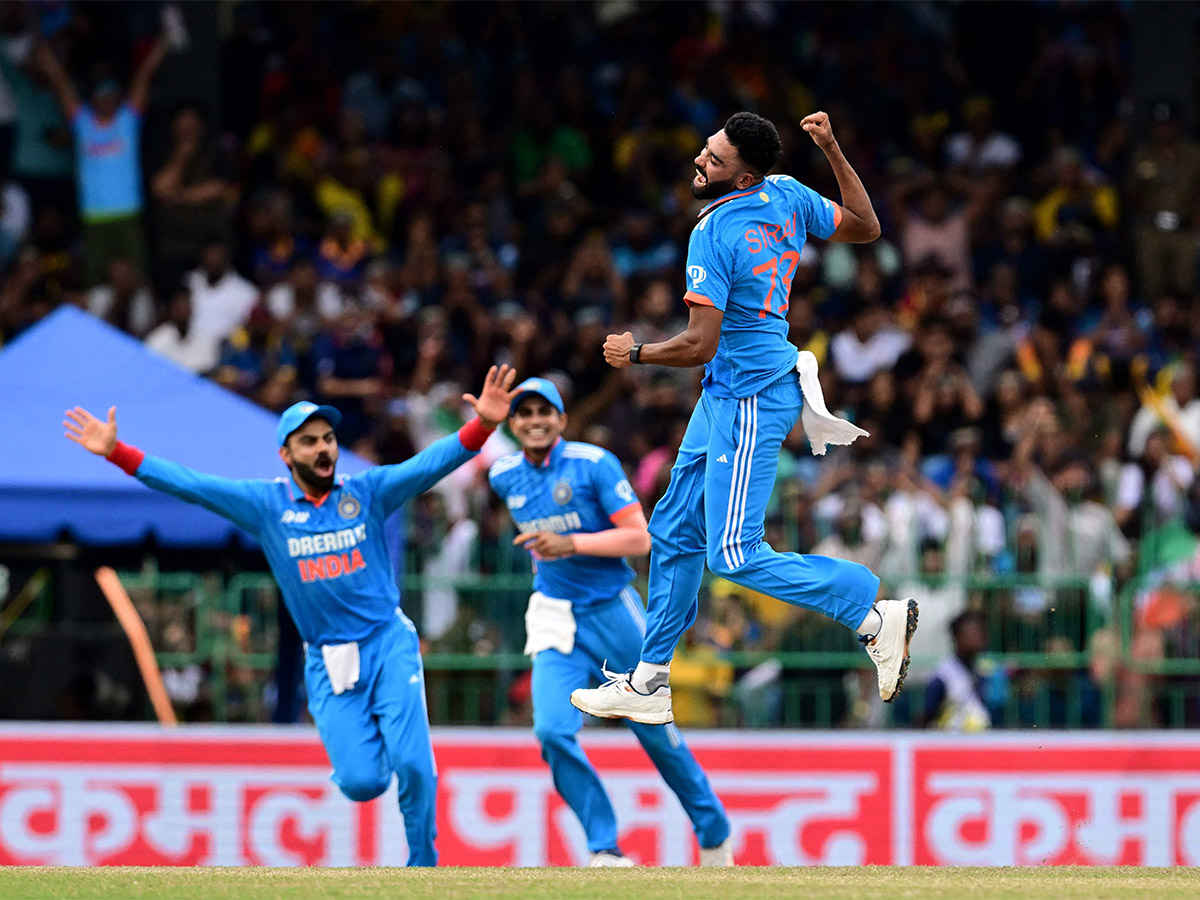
{"x": 1147, "y": 421}
{"x": 193, "y": 353}
{"x": 857, "y": 361}
{"x": 281, "y": 301}
{"x": 141, "y": 315}
{"x": 1167, "y": 487}
{"x": 996, "y": 151}
{"x": 218, "y": 310}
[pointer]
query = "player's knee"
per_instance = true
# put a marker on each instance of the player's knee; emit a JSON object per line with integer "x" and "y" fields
{"x": 665, "y": 543}
{"x": 721, "y": 562}
{"x": 414, "y": 771}
{"x": 363, "y": 786}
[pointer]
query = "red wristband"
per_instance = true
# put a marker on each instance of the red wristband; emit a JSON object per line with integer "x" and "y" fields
{"x": 126, "y": 457}
{"x": 474, "y": 434}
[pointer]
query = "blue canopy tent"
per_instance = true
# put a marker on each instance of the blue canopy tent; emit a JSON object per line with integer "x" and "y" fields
{"x": 49, "y": 485}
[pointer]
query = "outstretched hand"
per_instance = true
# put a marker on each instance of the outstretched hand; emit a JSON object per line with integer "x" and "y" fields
{"x": 818, "y": 128}
{"x": 91, "y": 433}
{"x": 497, "y": 395}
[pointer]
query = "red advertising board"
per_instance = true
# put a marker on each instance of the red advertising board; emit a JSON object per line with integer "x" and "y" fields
{"x": 138, "y": 795}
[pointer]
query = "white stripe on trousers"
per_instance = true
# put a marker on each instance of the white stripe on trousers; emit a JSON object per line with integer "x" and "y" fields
{"x": 633, "y": 604}
{"x": 743, "y": 457}
{"x": 737, "y": 465}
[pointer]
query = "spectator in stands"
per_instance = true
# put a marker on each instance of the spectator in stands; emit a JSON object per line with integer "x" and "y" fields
{"x": 42, "y": 160}
{"x": 123, "y": 300}
{"x": 342, "y": 257}
{"x": 980, "y": 148}
{"x": 303, "y": 301}
{"x": 276, "y": 244}
{"x": 935, "y": 223}
{"x": 954, "y": 696}
{"x": 871, "y": 344}
{"x": 641, "y": 248}
{"x": 351, "y": 370}
{"x": 1163, "y": 192}
{"x": 192, "y": 194}
{"x": 1178, "y": 411}
{"x": 1153, "y": 486}
{"x": 944, "y": 398}
{"x": 1081, "y": 210}
{"x": 108, "y": 133}
{"x": 221, "y": 302}
{"x": 177, "y": 339}
{"x": 258, "y": 362}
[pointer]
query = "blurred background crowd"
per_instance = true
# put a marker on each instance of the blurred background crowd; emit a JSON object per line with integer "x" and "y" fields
{"x": 368, "y": 204}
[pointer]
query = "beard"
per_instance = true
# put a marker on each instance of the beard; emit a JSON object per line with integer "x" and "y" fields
{"x": 710, "y": 190}
{"x": 310, "y": 476}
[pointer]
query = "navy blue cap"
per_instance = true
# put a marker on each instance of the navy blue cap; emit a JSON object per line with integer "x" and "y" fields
{"x": 299, "y": 413}
{"x": 542, "y": 387}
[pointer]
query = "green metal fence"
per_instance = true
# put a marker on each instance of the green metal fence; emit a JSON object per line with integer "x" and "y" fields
{"x": 1062, "y": 653}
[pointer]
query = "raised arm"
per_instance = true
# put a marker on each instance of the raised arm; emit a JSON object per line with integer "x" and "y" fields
{"x": 60, "y": 81}
{"x": 693, "y": 347}
{"x": 414, "y": 476}
{"x": 859, "y": 224}
{"x": 139, "y": 87}
{"x": 234, "y": 500}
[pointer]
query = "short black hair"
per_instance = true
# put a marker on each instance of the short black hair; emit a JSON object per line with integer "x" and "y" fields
{"x": 756, "y": 139}
{"x": 965, "y": 618}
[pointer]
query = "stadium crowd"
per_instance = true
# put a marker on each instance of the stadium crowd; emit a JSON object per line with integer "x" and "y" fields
{"x": 391, "y": 197}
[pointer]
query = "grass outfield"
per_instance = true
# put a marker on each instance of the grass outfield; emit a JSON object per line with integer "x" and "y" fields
{"x": 871, "y": 883}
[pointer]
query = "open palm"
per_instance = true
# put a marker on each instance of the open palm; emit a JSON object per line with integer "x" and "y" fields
{"x": 92, "y": 433}
{"x": 494, "y": 400}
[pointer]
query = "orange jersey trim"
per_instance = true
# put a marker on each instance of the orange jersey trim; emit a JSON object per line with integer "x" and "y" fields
{"x": 837, "y": 215}
{"x": 721, "y": 200}
{"x": 693, "y": 297}
{"x": 625, "y": 512}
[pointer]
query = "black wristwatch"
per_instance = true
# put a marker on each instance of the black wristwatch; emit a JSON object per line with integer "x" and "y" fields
{"x": 635, "y": 353}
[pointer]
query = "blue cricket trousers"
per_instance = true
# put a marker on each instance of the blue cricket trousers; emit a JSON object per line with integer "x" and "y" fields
{"x": 611, "y": 631}
{"x": 714, "y": 511}
{"x": 381, "y": 726}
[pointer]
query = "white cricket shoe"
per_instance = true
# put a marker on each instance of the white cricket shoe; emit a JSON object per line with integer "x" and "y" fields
{"x": 606, "y": 859}
{"x": 889, "y": 647}
{"x": 720, "y": 855}
{"x": 617, "y": 699}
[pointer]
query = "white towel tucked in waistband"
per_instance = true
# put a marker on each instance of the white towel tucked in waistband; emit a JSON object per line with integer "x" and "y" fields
{"x": 341, "y": 664}
{"x": 549, "y": 623}
{"x": 821, "y": 426}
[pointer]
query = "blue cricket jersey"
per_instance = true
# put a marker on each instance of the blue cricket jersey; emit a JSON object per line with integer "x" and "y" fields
{"x": 742, "y": 256}
{"x": 330, "y": 558}
{"x": 110, "y": 168}
{"x": 578, "y": 489}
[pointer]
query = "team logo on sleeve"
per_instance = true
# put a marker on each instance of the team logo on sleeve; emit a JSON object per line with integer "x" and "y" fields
{"x": 696, "y": 276}
{"x": 516, "y": 501}
{"x": 349, "y": 507}
{"x": 624, "y": 490}
{"x": 562, "y": 492}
